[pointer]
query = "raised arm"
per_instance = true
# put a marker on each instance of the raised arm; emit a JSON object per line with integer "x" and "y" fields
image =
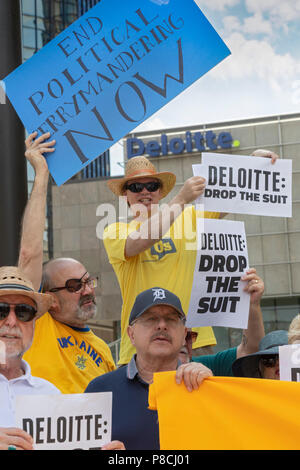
{"x": 255, "y": 331}
{"x": 31, "y": 247}
{"x": 153, "y": 228}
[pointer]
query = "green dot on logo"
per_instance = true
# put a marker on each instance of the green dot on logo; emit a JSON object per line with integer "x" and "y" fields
{"x": 236, "y": 143}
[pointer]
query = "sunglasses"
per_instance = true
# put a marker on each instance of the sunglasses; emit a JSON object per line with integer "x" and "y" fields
{"x": 23, "y": 312}
{"x": 152, "y": 186}
{"x": 76, "y": 285}
{"x": 269, "y": 361}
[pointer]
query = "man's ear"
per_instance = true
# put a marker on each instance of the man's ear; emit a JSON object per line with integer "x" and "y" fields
{"x": 185, "y": 333}
{"x": 130, "y": 332}
{"x": 55, "y": 303}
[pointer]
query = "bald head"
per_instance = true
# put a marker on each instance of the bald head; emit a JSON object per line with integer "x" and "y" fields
{"x": 71, "y": 307}
{"x": 57, "y": 269}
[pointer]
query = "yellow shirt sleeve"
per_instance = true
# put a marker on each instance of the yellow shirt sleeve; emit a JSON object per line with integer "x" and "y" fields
{"x": 114, "y": 239}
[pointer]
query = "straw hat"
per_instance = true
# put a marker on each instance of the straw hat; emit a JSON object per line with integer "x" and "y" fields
{"x": 138, "y": 167}
{"x": 13, "y": 281}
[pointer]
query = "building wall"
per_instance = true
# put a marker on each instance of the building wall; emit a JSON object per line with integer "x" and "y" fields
{"x": 273, "y": 243}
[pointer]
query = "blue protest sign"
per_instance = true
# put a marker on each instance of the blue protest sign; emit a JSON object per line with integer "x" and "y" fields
{"x": 108, "y": 72}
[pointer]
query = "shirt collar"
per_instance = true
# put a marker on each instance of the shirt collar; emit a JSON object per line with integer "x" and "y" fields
{"x": 26, "y": 377}
{"x": 132, "y": 370}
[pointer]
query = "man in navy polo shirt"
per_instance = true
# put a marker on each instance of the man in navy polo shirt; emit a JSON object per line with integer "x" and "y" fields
{"x": 157, "y": 330}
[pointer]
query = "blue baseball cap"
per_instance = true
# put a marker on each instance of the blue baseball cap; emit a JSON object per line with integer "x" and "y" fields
{"x": 155, "y": 296}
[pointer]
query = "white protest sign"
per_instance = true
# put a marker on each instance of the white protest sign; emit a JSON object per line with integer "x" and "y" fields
{"x": 66, "y": 422}
{"x": 289, "y": 362}
{"x": 218, "y": 297}
{"x": 2, "y": 353}
{"x": 200, "y": 170}
{"x": 247, "y": 185}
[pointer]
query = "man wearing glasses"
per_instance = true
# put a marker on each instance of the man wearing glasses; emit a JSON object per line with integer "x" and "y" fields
{"x": 153, "y": 248}
{"x": 157, "y": 330}
{"x": 158, "y": 246}
{"x": 65, "y": 351}
{"x": 21, "y": 305}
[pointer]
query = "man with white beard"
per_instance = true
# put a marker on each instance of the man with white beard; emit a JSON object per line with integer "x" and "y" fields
{"x": 21, "y": 304}
{"x": 65, "y": 351}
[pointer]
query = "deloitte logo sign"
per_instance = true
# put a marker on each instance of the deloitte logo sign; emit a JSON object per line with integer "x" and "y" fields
{"x": 198, "y": 140}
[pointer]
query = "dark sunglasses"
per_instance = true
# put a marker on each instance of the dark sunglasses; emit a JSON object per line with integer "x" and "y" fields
{"x": 23, "y": 312}
{"x": 152, "y": 186}
{"x": 75, "y": 285}
{"x": 269, "y": 361}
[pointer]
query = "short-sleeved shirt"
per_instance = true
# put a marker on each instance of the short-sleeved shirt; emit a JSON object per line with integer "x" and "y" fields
{"x": 26, "y": 384}
{"x": 220, "y": 363}
{"x": 168, "y": 264}
{"x": 132, "y": 422}
{"x": 68, "y": 357}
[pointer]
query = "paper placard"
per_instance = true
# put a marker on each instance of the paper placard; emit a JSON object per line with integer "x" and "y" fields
{"x": 2, "y": 352}
{"x": 289, "y": 362}
{"x": 247, "y": 185}
{"x": 108, "y": 72}
{"x": 66, "y": 422}
{"x": 218, "y": 297}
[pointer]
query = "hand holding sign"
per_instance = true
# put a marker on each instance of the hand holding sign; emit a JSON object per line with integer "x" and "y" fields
{"x": 114, "y": 445}
{"x": 15, "y": 437}
{"x": 108, "y": 72}
{"x": 191, "y": 190}
{"x": 192, "y": 374}
{"x": 36, "y": 147}
{"x": 266, "y": 153}
{"x": 255, "y": 285}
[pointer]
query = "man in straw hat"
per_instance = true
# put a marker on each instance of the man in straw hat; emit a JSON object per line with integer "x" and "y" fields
{"x": 21, "y": 305}
{"x": 151, "y": 250}
{"x": 156, "y": 247}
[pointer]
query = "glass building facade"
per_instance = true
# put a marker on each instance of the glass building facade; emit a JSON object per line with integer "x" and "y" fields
{"x": 42, "y": 20}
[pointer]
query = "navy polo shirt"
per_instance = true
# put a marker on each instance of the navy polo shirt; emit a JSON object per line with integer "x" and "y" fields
{"x": 132, "y": 422}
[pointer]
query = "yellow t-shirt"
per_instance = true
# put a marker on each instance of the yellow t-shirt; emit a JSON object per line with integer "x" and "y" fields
{"x": 67, "y": 357}
{"x": 168, "y": 264}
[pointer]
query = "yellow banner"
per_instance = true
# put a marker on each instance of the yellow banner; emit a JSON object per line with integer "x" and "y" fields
{"x": 227, "y": 413}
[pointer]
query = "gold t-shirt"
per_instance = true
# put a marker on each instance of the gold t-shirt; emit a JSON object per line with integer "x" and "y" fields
{"x": 168, "y": 264}
{"x": 67, "y": 357}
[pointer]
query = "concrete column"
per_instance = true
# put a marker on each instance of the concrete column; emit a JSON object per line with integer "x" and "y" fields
{"x": 13, "y": 170}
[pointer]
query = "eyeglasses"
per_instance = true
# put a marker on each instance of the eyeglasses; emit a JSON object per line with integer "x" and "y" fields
{"x": 153, "y": 320}
{"x": 23, "y": 312}
{"x": 76, "y": 285}
{"x": 269, "y": 361}
{"x": 152, "y": 186}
